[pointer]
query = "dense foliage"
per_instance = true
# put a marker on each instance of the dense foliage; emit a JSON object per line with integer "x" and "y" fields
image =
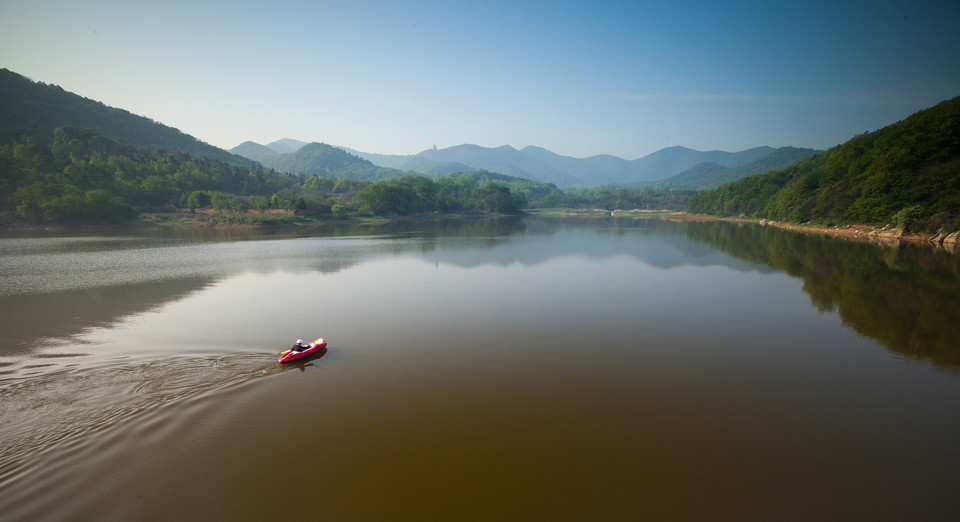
{"x": 613, "y": 197}
{"x": 907, "y": 174}
{"x": 457, "y": 193}
{"x": 76, "y": 174}
{"x": 68, "y": 159}
{"x": 29, "y": 108}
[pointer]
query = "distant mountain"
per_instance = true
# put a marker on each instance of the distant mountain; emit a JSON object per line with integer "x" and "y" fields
{"x": 533, "y": 163}
{"x": 697, "y": 177}
{"x": 317, "y": 159}
{"x": 433, "y": 168}
{"x": 29, "y": 108}
{"x": 580, "y": 170}
{"x": 540, "y": 164}
{"x": 710, "y": 175}
{"x": 906, "y": 174}
{"x": 411, "y": 163}
{"x": 269, "y": 152}
{"x": 254, "y": 151}
{"x": 505, "y": 160}
{"x": 285, "y": 145}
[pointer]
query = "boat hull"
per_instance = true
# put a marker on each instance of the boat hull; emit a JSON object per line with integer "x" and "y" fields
{"x": 311, "y": 349}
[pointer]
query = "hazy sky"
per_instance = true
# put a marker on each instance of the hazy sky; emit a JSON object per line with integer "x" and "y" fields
{"x": 579, "y": 78}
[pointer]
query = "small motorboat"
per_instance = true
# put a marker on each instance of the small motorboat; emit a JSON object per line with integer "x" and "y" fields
{"x": 308, "y": 350}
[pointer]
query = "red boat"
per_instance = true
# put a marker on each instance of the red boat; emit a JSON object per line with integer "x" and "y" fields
{"x": 308, "y": 350}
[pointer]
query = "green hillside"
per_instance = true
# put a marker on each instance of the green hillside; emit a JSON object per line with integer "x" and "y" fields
{"x": 320, "y": 159}
{"x": 906, "y": 174}
{"x": 711, "y": 175}
{"x": 29, "y": 108}
{"x": 109, "y": 165}
{"x": 79, "y": 176}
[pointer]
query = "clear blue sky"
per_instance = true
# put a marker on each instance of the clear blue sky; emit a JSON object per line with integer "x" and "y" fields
{"x": 579, "y": 78}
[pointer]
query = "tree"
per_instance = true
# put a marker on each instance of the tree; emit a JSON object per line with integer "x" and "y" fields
{"x": 157, "y": 190}
{"x": 260, "y": 203}
{"x": 198, "y": 199}
{"x": 385, "y": 198}
{"x": 29, "y": 201}
{"x": 497, "y": 198}
{"x": 220, "y": 202}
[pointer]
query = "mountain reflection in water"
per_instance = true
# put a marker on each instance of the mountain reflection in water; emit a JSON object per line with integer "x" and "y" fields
{"x": 584, "y": 369}
{"x": 905, "y": 296}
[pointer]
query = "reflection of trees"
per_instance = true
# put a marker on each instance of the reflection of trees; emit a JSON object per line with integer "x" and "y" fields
{"x": 906, "y": 297}
{"x": 31, "y": 319}
{"x": 434, "y": 228}
{"x": 35, "y": 316}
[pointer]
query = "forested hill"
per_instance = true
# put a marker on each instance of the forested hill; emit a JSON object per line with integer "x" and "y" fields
{"x": 29, "y": 108}
{"x": 906, "y": 174}
{"x": 710, "y": 175}
{"x": 320, "y": 159}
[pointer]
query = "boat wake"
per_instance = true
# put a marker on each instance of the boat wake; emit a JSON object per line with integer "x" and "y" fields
{"x": 53, "y": 416}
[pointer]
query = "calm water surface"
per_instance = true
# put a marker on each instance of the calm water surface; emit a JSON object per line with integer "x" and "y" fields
{"x": 503, "y": 370}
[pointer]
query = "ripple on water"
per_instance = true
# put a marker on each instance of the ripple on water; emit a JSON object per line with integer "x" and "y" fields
{"x": 64, "y": 411}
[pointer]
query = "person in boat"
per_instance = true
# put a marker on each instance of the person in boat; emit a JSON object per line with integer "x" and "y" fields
{"x": 299, "y": 347}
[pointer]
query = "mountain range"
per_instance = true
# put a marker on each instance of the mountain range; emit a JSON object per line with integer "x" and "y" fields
{"x": 672, "y": 167}
{"x": 32, "y": 108}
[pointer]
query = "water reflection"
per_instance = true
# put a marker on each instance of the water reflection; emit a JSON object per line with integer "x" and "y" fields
{"x": 54, "y": 288}
{"x": 477, "y": 370}
{"x": 30, "y": 321}
{"x": 905, "y": 296}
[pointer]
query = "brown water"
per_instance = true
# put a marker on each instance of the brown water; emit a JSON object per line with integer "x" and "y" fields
{"x": 519, "y": 370}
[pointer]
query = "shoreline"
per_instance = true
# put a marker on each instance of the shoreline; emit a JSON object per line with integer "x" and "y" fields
{"x": 183, "y": 220}
{"x": 886, "y": 235}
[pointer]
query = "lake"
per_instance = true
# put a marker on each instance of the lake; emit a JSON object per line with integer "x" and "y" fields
{"x": 515, "y": 369}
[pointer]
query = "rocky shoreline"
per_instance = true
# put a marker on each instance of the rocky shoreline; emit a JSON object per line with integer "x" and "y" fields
{"x": 887, "y": 233}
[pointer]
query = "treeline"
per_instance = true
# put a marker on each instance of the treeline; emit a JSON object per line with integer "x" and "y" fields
{"x": 612, "y": 198}
{"x": 906, "y": 174}
{"x": 415, "y": 194}
{"x": 546, "y": 195}
{"x": 74, "y": 175}
{"x": 78, "y": 175}
{"x": 491, "y": 192}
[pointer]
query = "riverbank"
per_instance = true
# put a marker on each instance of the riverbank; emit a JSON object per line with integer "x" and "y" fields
{"x": 885, "y": 234}
{"x": 250, "y": 221}
{"x": 289, "y": 219}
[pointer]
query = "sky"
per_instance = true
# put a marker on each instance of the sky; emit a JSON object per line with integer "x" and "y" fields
{"x": 625, "y": 78}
